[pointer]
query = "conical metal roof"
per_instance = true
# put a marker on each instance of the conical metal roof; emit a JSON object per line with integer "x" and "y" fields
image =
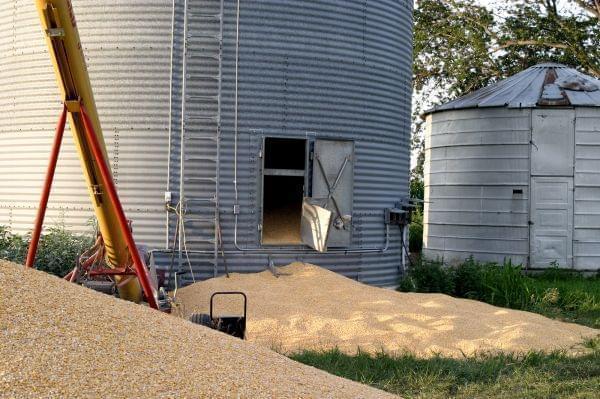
{"x": 546, "y": 84}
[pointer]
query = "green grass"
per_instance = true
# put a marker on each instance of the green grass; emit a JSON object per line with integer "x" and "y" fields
{"x": 531, "y": 375}
{"x": 573, "y": 298}
{"x": 556, "y": 293}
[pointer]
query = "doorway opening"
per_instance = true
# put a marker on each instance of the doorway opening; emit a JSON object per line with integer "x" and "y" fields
{"x": 283, "y": 190}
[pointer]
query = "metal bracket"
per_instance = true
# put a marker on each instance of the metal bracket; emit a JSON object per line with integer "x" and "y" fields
{"x": 55, "y": 33}
{"x": 73, "y": 106}
{"x": 341, "y": 221}
{"x": 96, "y": 190}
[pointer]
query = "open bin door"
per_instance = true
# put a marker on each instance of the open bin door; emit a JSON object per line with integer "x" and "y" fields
{"x": 333, "y": 180}
{"x": 315, "y": 223}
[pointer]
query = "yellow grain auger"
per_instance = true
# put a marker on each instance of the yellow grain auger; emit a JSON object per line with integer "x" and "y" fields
{"x": 115, "y": 257}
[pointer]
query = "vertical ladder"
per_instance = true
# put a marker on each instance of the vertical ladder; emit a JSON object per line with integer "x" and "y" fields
{"x": 200, "y": 134}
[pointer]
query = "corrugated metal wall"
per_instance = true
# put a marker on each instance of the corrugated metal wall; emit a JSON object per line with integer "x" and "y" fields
{"x": 586, "y": 237}
{"x": 127, "y": 45}
{"x": 475, "y": 160}
{"x": 331, "y": 69}
{"x": 335, "y": 69}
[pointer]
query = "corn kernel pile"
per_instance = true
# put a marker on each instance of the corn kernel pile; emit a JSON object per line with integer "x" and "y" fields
{"x": 309, "y": 307}
{"x": 60, "y": 340}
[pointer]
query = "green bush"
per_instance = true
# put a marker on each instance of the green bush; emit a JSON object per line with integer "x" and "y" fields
{"x": 415, "y": 232}
{"x": 417, "y": 190}
{"x": 469, "y": 280}
{"x": 13, "y": 247}
{"x": 428, "y": 276}
{"x": 59, "y": 249}
{"x": 57, "y": 252}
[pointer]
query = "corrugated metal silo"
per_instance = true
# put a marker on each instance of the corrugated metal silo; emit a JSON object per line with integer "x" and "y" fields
{"x": 511, "y": 171}
{"x": 265, "y": 89}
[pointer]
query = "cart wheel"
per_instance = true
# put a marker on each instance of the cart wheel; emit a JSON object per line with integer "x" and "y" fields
{"x": 201, "y": 318}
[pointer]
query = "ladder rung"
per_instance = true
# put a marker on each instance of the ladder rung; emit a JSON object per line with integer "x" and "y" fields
{"x": 200, "y": 158}
{"x": 197, "y": 240}
{"x": 192, "y": 178}
{"x": 213, "y": 77}
{"x": 198, "y": 137}
{"x": 200, "y": 199}
{"x": 199, "y": 219}
{"x": 198, "y": 97}
{"x": 205, "y": 35}
{"x": 205, "y": 15}
{"x": 201, "y": 117}
{"x": 202, "y": 55}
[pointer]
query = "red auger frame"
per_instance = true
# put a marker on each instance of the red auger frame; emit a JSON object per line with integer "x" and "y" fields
{"x": 96, "y": 255}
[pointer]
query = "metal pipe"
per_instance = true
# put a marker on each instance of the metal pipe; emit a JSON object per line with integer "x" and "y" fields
{"x": 182, "y": 138}
{"x": 295, "y": 250}
{"x": 39, "y": 221}
{"x": 111, "y": 190}
{"x": 68, "y": 276}
{"x": 170, "y": 118}
{"x": 235, "y": 108}
{"x": 175, "y": 237}
{"x": 74, "y": 274}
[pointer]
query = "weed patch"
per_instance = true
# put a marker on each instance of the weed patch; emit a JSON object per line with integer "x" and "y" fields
{"x": 57, "y": 252}
{"x": 558, "y": 293}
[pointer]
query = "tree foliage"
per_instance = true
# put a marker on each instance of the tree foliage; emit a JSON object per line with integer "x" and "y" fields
{"x": 460, "y": 46}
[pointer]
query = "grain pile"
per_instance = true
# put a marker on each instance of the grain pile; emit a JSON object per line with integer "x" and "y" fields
{"x": 282, "y": 225}
{"x": 312, "y": 308}
{"x": 61, "y": 340}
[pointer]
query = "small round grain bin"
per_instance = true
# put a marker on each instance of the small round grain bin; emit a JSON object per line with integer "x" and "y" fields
{"x": 513, "y": 171}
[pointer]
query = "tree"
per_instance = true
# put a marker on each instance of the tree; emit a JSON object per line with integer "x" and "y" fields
{"x": 460, "y": 46}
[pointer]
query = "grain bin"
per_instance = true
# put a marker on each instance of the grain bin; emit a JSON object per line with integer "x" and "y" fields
{"x": 513, "y": 171}
{"x": 231, "y": 112}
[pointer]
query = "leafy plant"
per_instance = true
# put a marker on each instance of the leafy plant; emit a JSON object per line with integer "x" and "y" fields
{"x": 12, "y": 246}
{"x": 429, "y": 276}
{"x": 415, "y": 232}
{"x": 57, "y": 251}
{"x": 468, "y": 279}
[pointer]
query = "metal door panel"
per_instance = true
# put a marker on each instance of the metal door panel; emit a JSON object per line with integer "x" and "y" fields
{"x": 333, "y": 179}
{"x": 553, "y": 142}
{"x": 552, "y": 221}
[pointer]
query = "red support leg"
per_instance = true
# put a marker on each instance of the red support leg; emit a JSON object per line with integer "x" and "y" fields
{"x": 39, "y": 221}
{"x": 109, "y": 186}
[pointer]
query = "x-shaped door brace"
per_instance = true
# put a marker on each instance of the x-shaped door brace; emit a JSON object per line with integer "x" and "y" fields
{"x": 331, "y": 190}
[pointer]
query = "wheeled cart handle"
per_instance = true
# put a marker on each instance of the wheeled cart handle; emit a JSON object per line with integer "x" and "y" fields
{"x": 228, "y": 293}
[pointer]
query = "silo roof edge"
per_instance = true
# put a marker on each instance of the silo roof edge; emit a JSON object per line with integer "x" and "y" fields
{"x": 524, "y": 90}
